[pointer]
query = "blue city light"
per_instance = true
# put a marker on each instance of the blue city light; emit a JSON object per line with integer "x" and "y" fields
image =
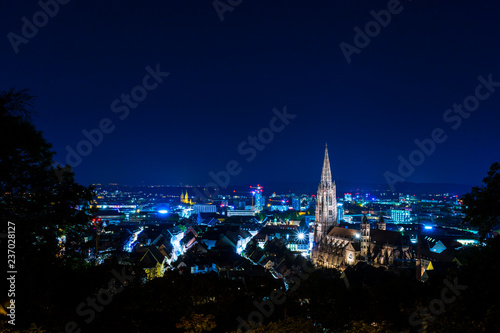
{"x": 163, "y": 211}
{"x": 428, "y": 227}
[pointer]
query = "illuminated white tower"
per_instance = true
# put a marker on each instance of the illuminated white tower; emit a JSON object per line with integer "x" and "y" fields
{"x": 326, "y": 202}
{"x": 365, "y": 236}
{"x": 259, "y": 200}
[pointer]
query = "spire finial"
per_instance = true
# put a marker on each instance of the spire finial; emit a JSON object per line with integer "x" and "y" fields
{"x": 326, "y": 174}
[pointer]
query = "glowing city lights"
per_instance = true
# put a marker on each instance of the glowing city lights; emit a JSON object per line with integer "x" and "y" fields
{"x": 133, "y": 239}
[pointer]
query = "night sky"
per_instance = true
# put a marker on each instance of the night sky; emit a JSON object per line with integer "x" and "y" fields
{"x": 226, "y": 77}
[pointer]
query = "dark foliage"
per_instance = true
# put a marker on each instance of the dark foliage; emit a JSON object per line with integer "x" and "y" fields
{"x": 482, "y": 204}
{"x": 39, "y": 199}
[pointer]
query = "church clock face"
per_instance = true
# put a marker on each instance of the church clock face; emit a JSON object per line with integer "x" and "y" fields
{"x": 350, "y": 256}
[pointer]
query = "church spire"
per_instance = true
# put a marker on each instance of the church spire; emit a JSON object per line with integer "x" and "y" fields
{"x": 326, "y": 174}
{"x": 326, "y": 202}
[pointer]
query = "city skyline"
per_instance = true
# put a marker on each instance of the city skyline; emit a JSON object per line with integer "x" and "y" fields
{"x": 250, "y": 166}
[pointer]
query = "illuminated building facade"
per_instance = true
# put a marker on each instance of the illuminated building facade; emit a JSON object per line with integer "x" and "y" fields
{"x": 259, "y": 199}
{"x": 185, "y": 198}
{"x": 343, "y": 247}
{"x": 340, "y": 212}
{"x": 400, "y": 215}
{"x": 203, "y": 208}
{"x": 326, "y": 202}
{"x": 340, "y": 247}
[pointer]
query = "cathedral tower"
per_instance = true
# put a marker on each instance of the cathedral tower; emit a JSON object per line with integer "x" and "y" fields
{"x": 381, "y": 223}
{"x": 326, "y": 202}
{"x": 365, "y": 236}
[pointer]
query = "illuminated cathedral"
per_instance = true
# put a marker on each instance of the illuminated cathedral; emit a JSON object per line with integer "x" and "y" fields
{"x": 336, "y": 247}
{"x": 326, "y": 202}
{"x": 185, "y": 198}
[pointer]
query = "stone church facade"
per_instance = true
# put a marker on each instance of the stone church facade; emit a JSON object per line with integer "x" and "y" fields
{"x": 336, "y": 247}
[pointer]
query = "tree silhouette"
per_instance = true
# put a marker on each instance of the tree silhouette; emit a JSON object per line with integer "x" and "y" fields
{"x": 46, "y": 210}
{"x": 482, "y": 204}
{"x": 41, "y": 203}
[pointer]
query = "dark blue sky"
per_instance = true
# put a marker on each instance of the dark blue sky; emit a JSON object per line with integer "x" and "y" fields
{"x": 227, "y": 76}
